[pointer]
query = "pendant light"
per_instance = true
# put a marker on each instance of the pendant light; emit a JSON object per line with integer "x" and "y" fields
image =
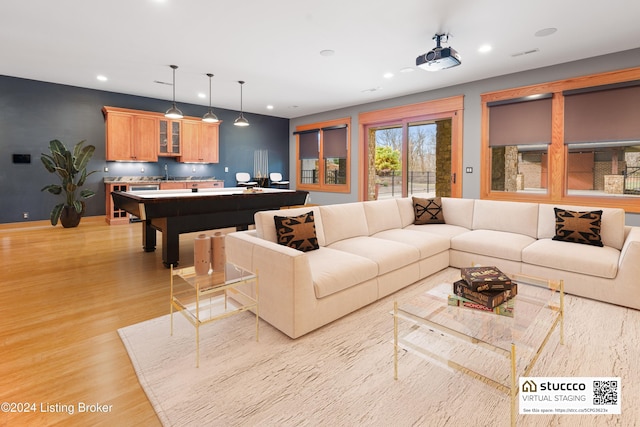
{"x": 174, "y": 112}
{"x": 241, "y": 121}
{"x": 209, "y": 117}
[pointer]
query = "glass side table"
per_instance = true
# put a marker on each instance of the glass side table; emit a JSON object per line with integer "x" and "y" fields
{"x": 207, "y": 298}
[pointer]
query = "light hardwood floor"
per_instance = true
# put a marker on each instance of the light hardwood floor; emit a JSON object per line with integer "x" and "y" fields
{"x": 64, "y": 293}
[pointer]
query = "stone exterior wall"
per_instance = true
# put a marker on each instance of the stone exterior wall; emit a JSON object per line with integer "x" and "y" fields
{"x": 443, "y": 158}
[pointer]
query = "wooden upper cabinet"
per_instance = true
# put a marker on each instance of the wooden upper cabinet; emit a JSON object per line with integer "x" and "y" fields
{"x": 145, "y": 138}
{"x": 169, "y": 137}
{"x": 130, "y": 136}
{"x": 199, "y": 142}
{"x": 209, "y": 143}
{"x": 142, "y": 136}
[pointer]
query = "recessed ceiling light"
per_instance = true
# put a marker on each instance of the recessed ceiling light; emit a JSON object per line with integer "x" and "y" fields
{"x": 102, "y": 78}
{"x": 407, "y": 70}
{"x": 269, "y": 107}
{"x": 387, "y": 75}
{"x": 202, "y": 95}
{"x": 545, "y": 32}
{"x": 327, "y": 52}
{"x": 485, "y": 48}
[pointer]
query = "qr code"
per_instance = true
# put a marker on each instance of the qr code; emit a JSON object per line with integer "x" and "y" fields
{"x": 605, "y": 392}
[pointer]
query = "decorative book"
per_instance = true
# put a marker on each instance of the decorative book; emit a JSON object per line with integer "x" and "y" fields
{"x": 485, "y": 278}
{"x": 504, "y": 309}
{"x": 489, "y": 299}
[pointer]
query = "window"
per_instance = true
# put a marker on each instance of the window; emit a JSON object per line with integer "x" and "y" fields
{"x": 323, "y": 156}
{"x": 579, "y": 144}
{"x": 602, "y": 138}
{"x": 519, "y": 137}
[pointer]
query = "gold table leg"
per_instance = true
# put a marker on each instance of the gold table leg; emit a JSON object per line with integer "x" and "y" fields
{"x": 395, "y": 340}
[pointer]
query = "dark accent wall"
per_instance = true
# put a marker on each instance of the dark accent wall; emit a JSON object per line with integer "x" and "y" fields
{"x": 32, "y": 113}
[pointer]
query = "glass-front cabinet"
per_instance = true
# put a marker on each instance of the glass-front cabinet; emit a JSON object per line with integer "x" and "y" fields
{"x": 169, "y": 138}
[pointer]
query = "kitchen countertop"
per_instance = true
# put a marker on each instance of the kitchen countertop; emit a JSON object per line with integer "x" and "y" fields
{"x": 148, "y": 179}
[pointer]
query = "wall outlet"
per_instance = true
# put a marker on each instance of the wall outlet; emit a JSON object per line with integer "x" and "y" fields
{"x": 106, "y": 169}
{"x": 226, "y": 168}
{"x": 25, "y": 215}
{"x": 141, "y": 170}
{"x": 469, "y": 169}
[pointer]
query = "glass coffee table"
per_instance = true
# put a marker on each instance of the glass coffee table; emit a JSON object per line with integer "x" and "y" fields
{"x": 493, "y": 348}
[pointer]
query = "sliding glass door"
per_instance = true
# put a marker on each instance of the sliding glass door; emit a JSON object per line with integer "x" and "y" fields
{"x": 410, "y": 158}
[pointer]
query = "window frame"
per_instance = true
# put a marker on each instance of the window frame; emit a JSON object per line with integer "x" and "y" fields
{"x": 322, "y": 185}
{"x": 557, "y": 191}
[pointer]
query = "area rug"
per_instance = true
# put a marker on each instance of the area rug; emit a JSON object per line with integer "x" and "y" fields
{"x": 342, "y": 374}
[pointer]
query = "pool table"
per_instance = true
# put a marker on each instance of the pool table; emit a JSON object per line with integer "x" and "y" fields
{"x": 173, "y": 212}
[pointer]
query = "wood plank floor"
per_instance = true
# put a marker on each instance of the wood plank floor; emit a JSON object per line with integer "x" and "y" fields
{"x": 64, "y": 293}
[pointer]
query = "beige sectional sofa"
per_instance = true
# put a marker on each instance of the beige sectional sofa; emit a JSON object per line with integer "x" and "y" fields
{"x": 368, "y": 250}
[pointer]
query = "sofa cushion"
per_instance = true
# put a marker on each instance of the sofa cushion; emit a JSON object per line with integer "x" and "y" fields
{"x": 497, "y": 244}
{"x": 427, "y": 211}
{"x": 611, "y": 227}
{"x": 266, "y": 227}
{"x": 382, "y": 215}
{"x": 584, "y": 259}
{"x": 578, "y": 227}
{"x": 456, "y": 211}
{"x": 389, "y": 255}
{"x": 343, "y": 221}
{"x": 334, "y": 271}
{"x": 428, "y": 244}
{"x": 297, "y": 232}
{"x": 513, "y": 217}
{"x": 446, "y": 230}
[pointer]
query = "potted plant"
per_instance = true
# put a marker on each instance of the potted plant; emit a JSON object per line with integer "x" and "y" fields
{"x": 71, "y": 167}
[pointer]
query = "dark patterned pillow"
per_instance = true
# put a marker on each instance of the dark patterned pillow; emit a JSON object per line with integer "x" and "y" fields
{"x": 297, "y": 232}
{"x": 578, "y": 227}
{"x": 428, "y": 211}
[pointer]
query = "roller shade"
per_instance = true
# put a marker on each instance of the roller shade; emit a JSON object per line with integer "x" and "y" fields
{"x": 309, "y": 142}
{"x": 520, "y": 122}
{"x": 334, "y": 142}
{"x": 606, "y": 113}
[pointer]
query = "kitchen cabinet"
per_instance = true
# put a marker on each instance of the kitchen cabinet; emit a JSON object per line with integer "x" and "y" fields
{"x": 130, "y": 136}
{"x": 181, "y": 185}
{"x": 172, "y": 185}
{"x": 169, "y": 137}
{"x": 115, "y": 216}
{"x": 199, "y": 142}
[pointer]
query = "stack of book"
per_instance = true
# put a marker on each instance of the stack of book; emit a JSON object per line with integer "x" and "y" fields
{"x": 486, "y": 289}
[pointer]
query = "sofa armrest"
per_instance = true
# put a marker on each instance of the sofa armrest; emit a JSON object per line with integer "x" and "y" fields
{"x": 284, "y": 277}
{"x": 630, "y": 253}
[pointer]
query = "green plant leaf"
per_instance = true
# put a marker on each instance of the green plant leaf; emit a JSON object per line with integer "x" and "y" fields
{"x": 48, "y": 163}
{"x": 55, "y": 213}
{"x": 78, "y": 206}
{"x": 52, "y": 188}
{"x": 83, "y": 157}
{"x": 87, "y": 193}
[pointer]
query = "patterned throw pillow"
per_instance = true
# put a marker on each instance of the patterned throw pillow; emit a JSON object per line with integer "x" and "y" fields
{"x": 428, "y": 211}
{"x": 578, "y": 227}
{"x": 297, "y": 232}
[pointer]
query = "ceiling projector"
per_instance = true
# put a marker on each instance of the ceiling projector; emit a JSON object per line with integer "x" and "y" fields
{"x": 438, "y": 58}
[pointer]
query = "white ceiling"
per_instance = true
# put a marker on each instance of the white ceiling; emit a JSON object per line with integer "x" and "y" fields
{"x": 275, "y": 45}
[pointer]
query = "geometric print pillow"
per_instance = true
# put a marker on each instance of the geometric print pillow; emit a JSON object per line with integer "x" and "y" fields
{"x": 578, "y": 227}
{"x": 297, "y": 232}
{"x": 428, "y": 211}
